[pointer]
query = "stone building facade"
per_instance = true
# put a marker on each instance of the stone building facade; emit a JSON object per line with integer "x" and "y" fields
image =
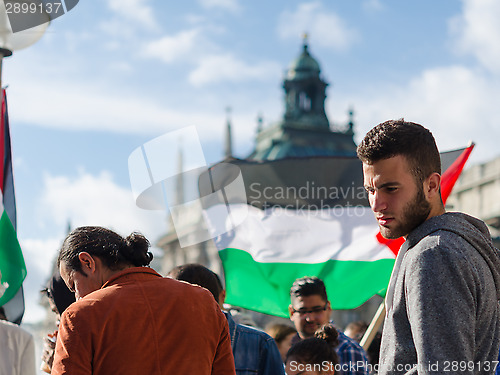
{"x": 477, "y": 192}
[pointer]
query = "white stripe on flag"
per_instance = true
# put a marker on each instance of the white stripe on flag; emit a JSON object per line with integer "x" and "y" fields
{"x": 279, "y": 235}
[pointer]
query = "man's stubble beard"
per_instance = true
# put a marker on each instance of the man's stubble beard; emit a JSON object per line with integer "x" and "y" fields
{"x": 414, "y": 214}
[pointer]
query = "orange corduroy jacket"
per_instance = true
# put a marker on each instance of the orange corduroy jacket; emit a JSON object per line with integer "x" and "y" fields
{"x": 142, "y": 323}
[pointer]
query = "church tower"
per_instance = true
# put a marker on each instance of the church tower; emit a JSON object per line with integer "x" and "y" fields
{"x": 304, "y": 130}
{"x": 305, "y": 93}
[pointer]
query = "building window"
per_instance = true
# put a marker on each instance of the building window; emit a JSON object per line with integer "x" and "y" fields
{"x": 304, "y": 102}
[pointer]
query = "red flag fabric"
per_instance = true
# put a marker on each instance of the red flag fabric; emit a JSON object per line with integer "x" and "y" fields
{"x": 450, "y": 176}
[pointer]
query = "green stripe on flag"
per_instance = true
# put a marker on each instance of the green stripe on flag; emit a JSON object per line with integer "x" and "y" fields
{"x": 265, "y": 287}
{"x": 12, "y": 263}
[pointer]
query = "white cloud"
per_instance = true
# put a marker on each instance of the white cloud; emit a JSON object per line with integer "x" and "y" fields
{"x": 59, "y": 99}
{"x": 83, "y": 200}
{"x": 74, "y": 40}
{"x": 478, "y": 32}
{"x": 118, "y": 30}
{"x": 192, "y": 46}
{"x": 230, "y": 5}
{"x": 80, "y": 106}
{"x": 137, "y": 11}
{"x": 175, "y": 48}
{"x": 324, "y": 27}
{"x": 39, "y": 255}
{"x": 226, "y": 67}
{"x": 98, "y": 200}
{"x": 456, "y": 103}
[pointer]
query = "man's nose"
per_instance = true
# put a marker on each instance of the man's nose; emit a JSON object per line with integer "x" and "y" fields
{"x": 308, "y": 316}
{"x": 377, "y": 202}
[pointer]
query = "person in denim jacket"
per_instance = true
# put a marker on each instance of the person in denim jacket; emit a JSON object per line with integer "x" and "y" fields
{"x": 254, "y": 351}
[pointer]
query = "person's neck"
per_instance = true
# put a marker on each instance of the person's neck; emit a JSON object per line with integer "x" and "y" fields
{"x": 436, "y": 210}
{"x": 109, "y": 273}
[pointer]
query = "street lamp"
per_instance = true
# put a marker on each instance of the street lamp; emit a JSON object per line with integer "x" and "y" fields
{"x": 10, "y": 41}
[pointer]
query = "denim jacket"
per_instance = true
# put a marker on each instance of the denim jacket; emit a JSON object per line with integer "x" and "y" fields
{"x": 255, "y": 352}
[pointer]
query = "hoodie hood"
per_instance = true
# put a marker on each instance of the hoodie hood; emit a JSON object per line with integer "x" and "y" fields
{"x": 473, "y": 230}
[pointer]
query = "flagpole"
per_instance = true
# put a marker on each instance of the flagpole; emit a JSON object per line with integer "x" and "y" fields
{"x": 4, "y": 52}
{"x": 372, "y": 329}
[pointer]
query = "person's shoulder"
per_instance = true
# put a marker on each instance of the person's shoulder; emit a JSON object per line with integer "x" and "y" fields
{"x": 179, "y": 286}
{"x": 92, "y": 303}
{"x": 345, "y": 341}
{"x": 11, "y": 328}
{"x": 437, "y": 253}
{"x": 251, "y": 334}
{"x": 8, "y": 325}
{"x": 441, "y": 245}
{"x": 80, "y": 307}
{"x": 446, "y": 232}
{"x": 252, "y": 331}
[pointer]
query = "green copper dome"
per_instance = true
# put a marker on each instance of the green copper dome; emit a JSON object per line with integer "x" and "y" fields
{"x": 304, "y": 66}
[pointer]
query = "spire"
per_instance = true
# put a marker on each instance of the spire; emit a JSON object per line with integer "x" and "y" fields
{"x": 350, "y": 124}
{"x": 260, "y": 122}
{"x": 305, "y": 40}
{"x": 228, "y": 146}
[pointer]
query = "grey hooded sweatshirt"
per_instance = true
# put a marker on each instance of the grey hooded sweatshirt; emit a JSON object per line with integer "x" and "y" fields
{"x": 443, "y": 316}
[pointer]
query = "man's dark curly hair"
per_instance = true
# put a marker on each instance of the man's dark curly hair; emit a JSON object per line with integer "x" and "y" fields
{"x": 308, "y": 286}
{"x": 398, "y": 137}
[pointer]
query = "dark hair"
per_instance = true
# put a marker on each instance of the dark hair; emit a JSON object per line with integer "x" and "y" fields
{"x": 2, "y": 314}
{"x": 200, "y": 275}
{"x": 114, "y": 250}
{"x": 318, "y": 349}
{"x": 398, "y": 137}
{"x": 58, "y": 292}
{"x": 308, "y": 286}
{"x": 219, "y": 282}
{"x": 279, "y": 331}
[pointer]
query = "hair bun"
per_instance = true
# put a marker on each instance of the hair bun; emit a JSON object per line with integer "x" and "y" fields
{"x": 329, "y": 334}
{"x": 137, "y": 250}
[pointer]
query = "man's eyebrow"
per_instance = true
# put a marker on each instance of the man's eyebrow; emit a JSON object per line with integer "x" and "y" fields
{"x": 308, "y": 308}
{"x": 395, "y": 183}
{"x": 384, "y": 185}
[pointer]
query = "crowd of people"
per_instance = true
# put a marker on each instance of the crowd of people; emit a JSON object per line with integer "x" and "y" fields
{"x": 442, "y": 303}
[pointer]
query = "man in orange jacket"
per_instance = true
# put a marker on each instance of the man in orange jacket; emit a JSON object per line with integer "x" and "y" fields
{"x": 130, "y": 320}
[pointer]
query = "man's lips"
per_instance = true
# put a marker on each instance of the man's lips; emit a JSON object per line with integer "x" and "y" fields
{"x": 384, "y": 220}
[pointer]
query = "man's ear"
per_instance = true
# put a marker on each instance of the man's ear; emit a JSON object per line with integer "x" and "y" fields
{"x": 290, "y": 311}
{"x": 87, "y": 262}
{"x": 432, "y": 186}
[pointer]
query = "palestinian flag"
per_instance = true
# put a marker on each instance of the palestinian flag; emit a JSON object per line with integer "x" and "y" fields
{"x": 12, "y": 266}
{"x": 301, "y": 217}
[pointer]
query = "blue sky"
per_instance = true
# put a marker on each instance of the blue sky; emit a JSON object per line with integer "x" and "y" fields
{"x": 113, "y": 74}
